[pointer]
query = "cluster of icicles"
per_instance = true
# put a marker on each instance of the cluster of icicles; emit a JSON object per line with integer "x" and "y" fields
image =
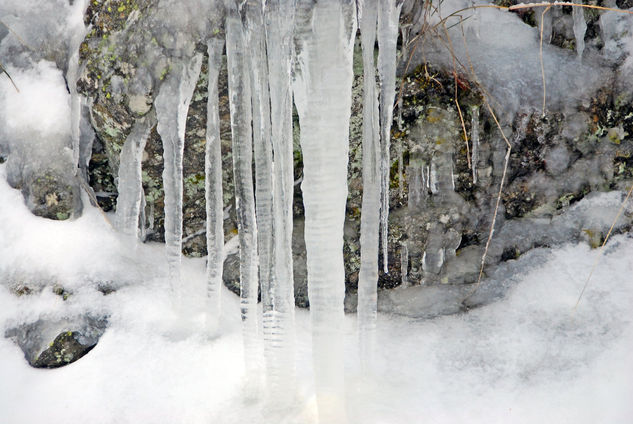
{"x": 280, "y": 52}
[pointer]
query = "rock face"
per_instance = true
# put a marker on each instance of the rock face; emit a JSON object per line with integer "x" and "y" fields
{"x": 447, "y": 152}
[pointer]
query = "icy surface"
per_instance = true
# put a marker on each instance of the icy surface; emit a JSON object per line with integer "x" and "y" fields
{"x": 524, "y": 359}
{"x": 505, "y": 58}
{"x": 322, "y": 88}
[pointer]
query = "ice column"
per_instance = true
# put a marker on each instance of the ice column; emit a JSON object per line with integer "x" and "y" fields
{"x": 237, "y": 55}
{"x": 388, "y": 15}
{"x": 279, "y": 333}
{"x": 370, "y": 212}
{"x": 130, "y": 184}
{"x": 213, "y": 191}
{"x": 322, "y": 87}
{"x": 580, "y": 27}
{"x": 172, "y": 104}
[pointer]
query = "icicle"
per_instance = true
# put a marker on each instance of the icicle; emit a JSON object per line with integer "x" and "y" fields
{"x": 370, "y": 212}
{"x": 474, "y": 137}
{"x": 388, "y": 15}
{"x": 404, "y": 263}
{"x": 322, "y": 86}
{"x": 213, "y": 191}
{"x": 130, "y": 184}
{"x": 172, "y": 105}
{"x": 72, "y": 75}
{"x": 237, "y": 55}
{"x": 279, "y": 332}
{"x": 255, "y": 38}
{"x": 580, "y": 28}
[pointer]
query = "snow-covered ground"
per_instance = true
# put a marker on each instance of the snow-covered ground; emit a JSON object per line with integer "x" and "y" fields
{"x": 528, "y": 358}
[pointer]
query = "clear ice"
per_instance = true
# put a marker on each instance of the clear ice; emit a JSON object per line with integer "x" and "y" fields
{"x": 237, "y": 55}
{"x": 172, "y": 105}
{"x": 213, "y": 191}
{"x": 388, "y": 17}
{"x": 370, "y": 212}
{"x": 322, "y": 86}
{"x": 279, "y": 329}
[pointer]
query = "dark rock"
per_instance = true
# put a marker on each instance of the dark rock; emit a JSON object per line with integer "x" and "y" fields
{"x": 52, "y": 195}
{"x": 55, "y": 343}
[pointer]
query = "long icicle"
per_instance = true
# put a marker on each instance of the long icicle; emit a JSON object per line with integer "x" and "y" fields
{"x": 241, "y": 134}
{"x": 172, "y": 105}
{"x": 370, "y": 212}
{"x": 388, "y": 16}
{"x": 279, "y": 331}
{"x": 213, "y": 192}
{"x": 324, "y": 37}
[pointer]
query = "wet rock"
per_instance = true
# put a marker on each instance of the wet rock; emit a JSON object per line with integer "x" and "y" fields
{"x": 52, "y": 195}
{"x": 56, "y": 343}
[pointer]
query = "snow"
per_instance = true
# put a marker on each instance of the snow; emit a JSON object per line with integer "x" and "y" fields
{"x": 526, "y": 358}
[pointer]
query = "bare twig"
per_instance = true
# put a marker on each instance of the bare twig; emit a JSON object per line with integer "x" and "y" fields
{"x": 3, "y": 70}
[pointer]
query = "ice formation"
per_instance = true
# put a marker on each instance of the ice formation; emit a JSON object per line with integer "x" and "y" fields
{"x": 370, "y": 213}
{"x": 237, "y": 55}
{"x": 324, "y": 43}
{"x": 213, "y": 191}
{"x": 279, "y": 328}
{"x": 388, "y": 19}
{"x": 276, "y": 49}
{"x": 130, "y": 184}
{"x": 172, "y": 104}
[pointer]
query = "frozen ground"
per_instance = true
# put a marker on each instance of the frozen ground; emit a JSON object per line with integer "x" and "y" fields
{"x": 525, "y": 359}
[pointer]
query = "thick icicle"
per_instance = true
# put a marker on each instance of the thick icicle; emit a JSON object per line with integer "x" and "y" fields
{"x": 241, "y": 134}
{"x": 130, "y": 185}
{"x": 370, "y": 212}
{"x": 213, "y": 191}
{"x": 325, "y": 33}
{"x": 580, "y": 28}
{"x": 279, "y": 333}
{"x": 172, "y": 104}
{"x": 474, "y": 136}
{"x": 388, "y": 16}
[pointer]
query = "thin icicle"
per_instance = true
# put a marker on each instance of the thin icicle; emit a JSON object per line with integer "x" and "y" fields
{"x": 130, "y": 184}
{"x": 323, "y": 82}
{"x": 213, "y": 191}
{"x": 241, "y": 135}
{"x": 279, "y": 332}
{"x": 262, "y": 146}
{"x": 370, "y": 212}
{"x": 404, "y": 263}
{"x": 580, "y": 28}
{"x": 474, "y": 136}
{"x": 172, "y": 105}
{"x": 72, "y": 75}
{"x": 388, "y": 16}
